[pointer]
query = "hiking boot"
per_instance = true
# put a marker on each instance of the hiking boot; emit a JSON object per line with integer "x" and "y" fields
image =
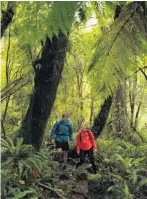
{"x": 64, "y": 167}
{"x": 60, "y": 161}
{"x": 94, "y": 171}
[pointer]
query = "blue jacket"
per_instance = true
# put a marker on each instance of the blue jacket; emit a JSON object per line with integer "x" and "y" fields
{"x": 62, "y": 131}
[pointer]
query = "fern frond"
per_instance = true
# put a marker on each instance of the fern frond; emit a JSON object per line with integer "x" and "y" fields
{"x": 24, "y": 193}
{"x": 19, "y": 143}
{"x": 118, "y": 46}
{"x": 142, "y": 183}
{"x": 45, "y": 19}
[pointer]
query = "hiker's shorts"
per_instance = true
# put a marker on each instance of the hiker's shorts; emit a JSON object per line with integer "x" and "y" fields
{"x": 63, "y": 145}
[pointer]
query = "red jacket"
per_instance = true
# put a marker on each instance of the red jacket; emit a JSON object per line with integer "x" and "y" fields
{"x": 85, "y": 141}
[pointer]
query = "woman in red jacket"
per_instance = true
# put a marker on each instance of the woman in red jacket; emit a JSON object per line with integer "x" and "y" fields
{"x": 86, "y": 144}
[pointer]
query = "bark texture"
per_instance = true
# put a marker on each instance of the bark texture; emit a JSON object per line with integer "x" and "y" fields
{"x": 48, "y": 70}
{"x": 101, "y": 118}
{"x": 7, "y": 17}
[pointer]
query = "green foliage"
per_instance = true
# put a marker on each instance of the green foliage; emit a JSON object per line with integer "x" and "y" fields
{"x": 33, "y": 21}
{"x": 18, "y": 155}
{"x": 121, "y": 191}
{"x": 21, "y": 194}
{"x": 141, "y": 183}
{"x": 104, "y": 12}
{"x": 74, "y": 93}
{"x": 119, "y": 50}
{"x": 16, "y": 72}
{"x": 19, "y": 162}
{"x": 46, "y": 169}
{"x": 125, "y": 165}
{"x": 133, "y": 151}
{"x": 41, "y": 19}
{"x": 115, "y": 48}
{"x": 95, "y": 177}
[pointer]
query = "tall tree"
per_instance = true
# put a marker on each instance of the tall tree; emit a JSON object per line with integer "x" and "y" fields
{"x": 48, "y": 71}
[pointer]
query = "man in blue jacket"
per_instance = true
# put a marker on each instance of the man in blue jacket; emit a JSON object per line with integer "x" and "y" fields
{"x": 62, "y": 133}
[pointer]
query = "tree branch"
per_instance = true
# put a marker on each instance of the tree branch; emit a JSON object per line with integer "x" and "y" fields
{"x": 143, "y": 72}
{"x": 14, "y": 82}
{"x": 139, "y": 134}
{"x": 11, "y": 93}
{"x": 51, "y": 189}
{"x": 30, "y": 52}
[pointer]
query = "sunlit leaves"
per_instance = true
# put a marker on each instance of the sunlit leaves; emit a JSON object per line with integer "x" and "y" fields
{"x": 120, "y": 47}
{"x": 36, "y": 20}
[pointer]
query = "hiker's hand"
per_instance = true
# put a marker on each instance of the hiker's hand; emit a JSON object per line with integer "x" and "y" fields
{"x": 95, "y": 150}
{"x": 78, "y": 152}
{"x": 52, "y": 141}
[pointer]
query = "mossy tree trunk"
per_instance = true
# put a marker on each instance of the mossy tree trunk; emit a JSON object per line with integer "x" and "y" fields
{"x": 48, "y": 70}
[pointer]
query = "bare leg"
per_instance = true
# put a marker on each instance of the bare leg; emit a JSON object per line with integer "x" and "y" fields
{"x": 65, "y": 157}
{"x": 60, "y": 154}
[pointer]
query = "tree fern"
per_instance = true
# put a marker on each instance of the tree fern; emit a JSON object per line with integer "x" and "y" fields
{"x": 21, "y": 155}
{"x": 118, "y": 47}
{"x": 27, "y": 161}
{"x": 41, "y": 19}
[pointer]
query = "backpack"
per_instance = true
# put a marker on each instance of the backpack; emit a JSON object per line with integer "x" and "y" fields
{"x": 88, "y": 131}
{"x": 58, "y": 125}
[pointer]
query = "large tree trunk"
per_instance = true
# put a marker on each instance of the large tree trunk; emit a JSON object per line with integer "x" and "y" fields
{"x": 100, "y": 120}
{"x": 7, "y": 17}
{"x": 48, "y": 70}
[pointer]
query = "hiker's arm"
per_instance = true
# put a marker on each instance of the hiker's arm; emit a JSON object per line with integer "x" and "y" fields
{"x": 71, "y": 133}
{"x": 53, "y": 131}
{"x": 93, "y": 142}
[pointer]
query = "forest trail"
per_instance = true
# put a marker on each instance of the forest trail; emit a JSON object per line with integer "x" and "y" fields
{"x": 87, "y": 58}
{"x": 73, "y": 183}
